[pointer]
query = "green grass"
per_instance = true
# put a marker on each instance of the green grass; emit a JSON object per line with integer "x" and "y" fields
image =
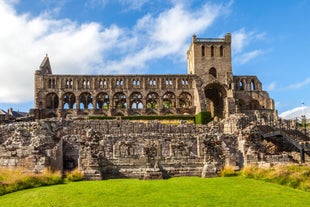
{"x": 184, "y": 191}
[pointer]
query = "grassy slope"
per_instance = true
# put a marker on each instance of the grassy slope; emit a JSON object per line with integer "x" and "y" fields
{"x": 185, "y": 191}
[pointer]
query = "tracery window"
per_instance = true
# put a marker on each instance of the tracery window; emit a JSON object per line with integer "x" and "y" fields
{"x": 152, "y": 100}
{"x": 119, "y": 100}
{"x": 136, "y": 101}
{"x": 185, "y": 100}
{"x": 168, "y": 100}
{"x": 86, "y": 100}
{"x": 68, "y": 100}
{"x": 102, "y": 101}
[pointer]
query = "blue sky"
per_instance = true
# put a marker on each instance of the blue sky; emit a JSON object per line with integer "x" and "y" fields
{"x": 270, "y": 40}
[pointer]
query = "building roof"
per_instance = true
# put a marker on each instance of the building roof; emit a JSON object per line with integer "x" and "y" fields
{"x": 2, "y": 112}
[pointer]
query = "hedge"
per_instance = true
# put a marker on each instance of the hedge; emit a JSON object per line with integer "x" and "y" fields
{"x": 201, "y": 118}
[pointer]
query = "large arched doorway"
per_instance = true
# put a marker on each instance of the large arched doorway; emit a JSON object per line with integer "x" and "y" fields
{"x": 216, "y": 94}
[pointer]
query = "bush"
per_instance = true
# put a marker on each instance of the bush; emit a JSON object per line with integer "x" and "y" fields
{"x": 228, "y": 171}
{"x": 18, "y": 179}
{"x": 292, "y": 176}
{"x": 146, "y": 117}
{"x": 74, "y": 175}
{"x": 203, "y": 117}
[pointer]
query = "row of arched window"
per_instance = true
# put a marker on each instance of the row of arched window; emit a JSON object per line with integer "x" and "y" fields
{"x": 212, "y": 51}
{"x": 247, "y": 85}
{"x": 69, "y": 83}
{"x": 119, "y": 100}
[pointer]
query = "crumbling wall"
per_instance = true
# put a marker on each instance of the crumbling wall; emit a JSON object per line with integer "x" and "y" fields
{"x": 116, "y": 148}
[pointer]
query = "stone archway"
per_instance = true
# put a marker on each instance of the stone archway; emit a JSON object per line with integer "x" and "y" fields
{"x": 216, "y": 95}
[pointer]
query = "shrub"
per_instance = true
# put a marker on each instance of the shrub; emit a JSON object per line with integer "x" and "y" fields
{"x": 18, "y": 179}
{"x": 147, "y": 117}
{"x": 293, "y": 176}
{"x": 228, "y": 171}
{"x": 74, "y": 175}
{"x": 203, "y": 117}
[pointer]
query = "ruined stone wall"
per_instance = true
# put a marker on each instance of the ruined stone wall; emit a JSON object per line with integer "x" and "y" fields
{"x": 116, "y": 149}
{"x": 109, "y": 149}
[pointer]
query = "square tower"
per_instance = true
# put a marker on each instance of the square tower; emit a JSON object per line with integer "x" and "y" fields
{"x": 210, "y": 59}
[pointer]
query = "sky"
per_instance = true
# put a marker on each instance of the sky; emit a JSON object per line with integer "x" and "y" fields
{"x": 270, "y": 39}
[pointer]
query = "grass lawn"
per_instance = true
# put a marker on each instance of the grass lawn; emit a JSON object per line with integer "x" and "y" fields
{"x": 184, "y": 191}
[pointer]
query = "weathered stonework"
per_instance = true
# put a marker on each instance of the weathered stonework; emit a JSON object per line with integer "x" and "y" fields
{"x": 208, "y": 86}
{"x": 150, "y": 150}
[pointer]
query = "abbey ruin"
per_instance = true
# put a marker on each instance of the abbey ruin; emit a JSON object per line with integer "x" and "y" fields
{"x": 209, "y": 86}
{"x": 245, "y": 128}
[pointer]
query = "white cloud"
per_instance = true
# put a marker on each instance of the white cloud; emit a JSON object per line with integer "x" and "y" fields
{"x": 271, "y": 86}
{"x": 296, "y": 112}
{"x": 128, "y": 4}
{"x": 164, "y": 35}
{"x": 240, "y": 40}
{"x": 248, "y": 56}
{"x": 300, "y": 84}
{"x": 90, "y": 48}
{"x": 73, "y": 48}
{"x": 243, "y": 38}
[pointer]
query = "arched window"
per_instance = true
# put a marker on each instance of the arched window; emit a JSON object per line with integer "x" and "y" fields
{"x": 185, "y": 100}
{"x": 168, "y": 100}
{"x": 86, "y": 101}
{"x": 241, "y": 86}
{"x": 202, "y": 50}
{"x": 136, "y": 100}
{"x": 68, "y": 100}
{"x": 221, "y": 51}
{"x": 49, "y": 83}
{"x": 152, "y": 100}
{"x": 212, "y": 51}
{"x": 252, "y": 85}
{"x": 102, "y": 101}
{"x": 119, "y": 100}
{"x": 52, "y": 101}
{"x": 212, "y": 72}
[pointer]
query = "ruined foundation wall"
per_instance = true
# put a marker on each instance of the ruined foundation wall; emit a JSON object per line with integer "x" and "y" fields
{"x": 114, "y": 149}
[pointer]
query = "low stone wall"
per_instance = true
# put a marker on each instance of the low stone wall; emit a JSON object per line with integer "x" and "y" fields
{"x": 123, "y": 149}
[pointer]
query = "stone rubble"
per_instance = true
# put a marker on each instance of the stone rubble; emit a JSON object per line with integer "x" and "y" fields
{"x": 146, "y": 150}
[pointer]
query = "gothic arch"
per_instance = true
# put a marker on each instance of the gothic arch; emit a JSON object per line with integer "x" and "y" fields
{"x": 52, "y": 101}
{"x": 213, "y": 72}
{"x": 185, "y": 100}
{"x": 152, "y": 100}
{"x": 102, "y": 101}
{"x": 86, "y": 100}
{"x": 68, "y": 100}
{"x": 136, "y": 101}
{"x": 168, "y": 100}
{"x": 216, "y": 95}
{"x": 119, "y": 100}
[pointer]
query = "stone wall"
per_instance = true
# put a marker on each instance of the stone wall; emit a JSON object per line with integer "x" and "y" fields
{"x": 124, "y": 149}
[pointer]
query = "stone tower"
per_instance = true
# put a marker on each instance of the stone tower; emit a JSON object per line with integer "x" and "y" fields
{"x": 210, "y": 59}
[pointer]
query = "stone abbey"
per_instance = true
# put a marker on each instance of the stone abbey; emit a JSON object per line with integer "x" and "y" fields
{"x": 209, "y": 85}
{"x": 245, "y": 130}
